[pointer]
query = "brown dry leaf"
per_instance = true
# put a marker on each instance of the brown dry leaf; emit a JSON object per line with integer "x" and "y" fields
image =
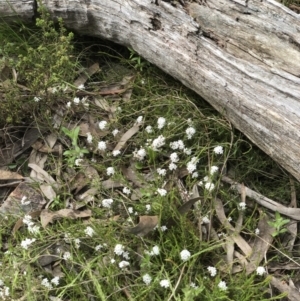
{"x": 9, "y": 175}
{"x": 110, "y": 184}
{"x": 132, "y": 131}
{"x": 131, "y": 175}
{"x": 242, "y": 244}
{"x": 13, "y": 204}
{"x": 43, "y": 174}
{"x": 147, "y": 224}
{"x": 86, "y": 74}
{"x": 48, "y": 216}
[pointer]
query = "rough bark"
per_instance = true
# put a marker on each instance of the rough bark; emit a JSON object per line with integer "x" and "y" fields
{"x": 243, "y": 57}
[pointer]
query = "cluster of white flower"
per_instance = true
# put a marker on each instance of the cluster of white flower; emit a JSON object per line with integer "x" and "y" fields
{"x": 185, "y": 255}
{"x": 190, "y": 131}
{"x": 164, "y": 283}
{"x": 32, "y": 228}
{"x": 161, "y": 171}
{"x": 110, "y": 171}
{"x": 126, "y": 190}
{"x": 107, "y": 203}
{"x": 102, "y": 125}
{"x": 242, "y": 206}
{"x": 222, "y": 286}
{"x": 161, "y": 191}
{"x": 115, "y": 132}
{"x": 24, "y": 202}
{"x": 261, "y": 271}
{"x": 89, "y": 231}
{"x": 212, "y": 271}
{"x": 161, "y": 121}
{"x": 49, "y": 284}
{"x": 147, "y": 279}
{"x": 192, "y": 165}
{"x": 89, "y": 137}
{"x": 27, "y": 242}
{"x": 140, "y": 154}
{"x": 154, "y": 251}
{"x": 158, "y": 142}
{"x": 177, "y": 145}
{"x": 102, "y": 145}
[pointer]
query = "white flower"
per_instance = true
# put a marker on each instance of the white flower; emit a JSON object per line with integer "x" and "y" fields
{"x": 154, "y": 251}
{"x": 149, "y": 129}
{"x": 222, "y": 286}
{"x": 119, "y": 249}
{"x": 130, "y": 210}
{"x": 101, "y": 145}
{"x": 190, "y": 132}
{"x": 24, "y": 202}
{"x": 110, "y": 171}
{"x": 139, "y": 120}
{"x": 206, "y": 178}
{"x": 27, "y": 242}
{"x": 77, "y": 243}
{"x": 161, "y": 121}
{"x": 195, "y": 175}
{"x": 158, "y": 142}
{"x": 126, "y": 255}
{"x": 185, "y": 255}
{"x": 116, "y": 152}
{"x": 45, "y": 282}
{"x": 81, "y": 87}
{"x": 147, "y": 279}
{"x": 218, "y": 150}
{"x": 68, "y": 104}
{"x": 36, "y": 99}
{"x": 89, "y": 231}
{"x": 174, "y": 157}
{"x": 205, "y": 220}
{"x": 260, "y": 271}
{"x": 172, "y": 166}
{"x": 164, "y": 283}
{"x": 102, "y": 124}
{"x": 67, "y": 256}
{"x": 126, "y": 190}
{"x": 89, "y": 137}
{"x": 193, "y": 285}
{"x": 191, "y": 167}
{"x": 212, "y": 271}
{"x": 161, "y": 171}
{"x": 177, "y": 145}
{"x": 161, "y": 191}
{"x": 257, "y": 231}
{"x": 242, "y": 205}
{"x": 55, "y": 280}
{"x": 27, "y": 219}
{"x": 34, "y": 229}
{"x": 123, "y": 264}
{"x": 107, "y": 203}
{"x": 76, "y": 100}
{"x": 140, "y": 154}
{"x": 213, "y": 169}
{"x": 78, "y": 162}
{"x": 187, "y": 151}
{"x": 98, "y": 247}
{"x": 209, "y": 186}
{"x": 163, "y": 228}
{"x": 115, "y": 132}
{"x": 148, "y": 207}
{"x": 112, "y": 261}
{"x": 229, "y": 218}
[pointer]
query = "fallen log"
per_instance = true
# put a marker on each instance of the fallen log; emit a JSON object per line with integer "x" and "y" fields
{"x": 242, "y": 56}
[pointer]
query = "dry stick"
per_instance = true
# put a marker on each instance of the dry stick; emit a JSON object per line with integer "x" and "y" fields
{"x": 293, "y": 213}
{"x": 177, "y": 283}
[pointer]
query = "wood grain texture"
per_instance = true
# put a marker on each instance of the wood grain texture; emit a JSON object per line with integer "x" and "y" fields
{"x": 243, "y": 58}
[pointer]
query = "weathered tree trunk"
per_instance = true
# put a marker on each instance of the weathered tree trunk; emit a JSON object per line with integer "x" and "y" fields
{"x": 242, "y": 56}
